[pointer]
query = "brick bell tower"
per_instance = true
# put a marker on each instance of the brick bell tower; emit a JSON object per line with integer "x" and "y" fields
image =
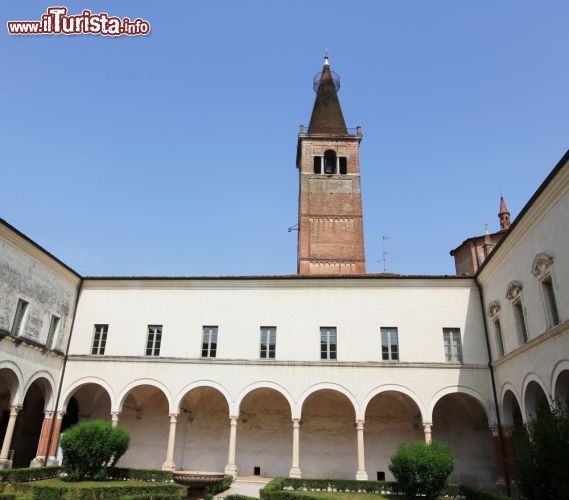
{"x": 330, "y": 229}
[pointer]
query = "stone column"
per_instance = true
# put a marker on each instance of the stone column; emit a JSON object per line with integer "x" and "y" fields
{"x": 295, "y": 469}
{"x": 501, "y": 481}
{"x": 361, "y": 474}
{"x": 428, "y": 429}
{"x": 5, "y": 462}
{"x": 508, "y": 444}
{"x": 56, "y": 426}
{"x": 115, "y": 418}
{"x": 231, "y": 467}
{"x": 169, "y": 463}
{"x": 41, "y": 454}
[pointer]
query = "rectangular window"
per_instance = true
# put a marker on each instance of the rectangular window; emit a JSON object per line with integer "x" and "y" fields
{"x": 389, "y": 344}
{"x": 100, "y": 339}
{"x": 52, "y": 332}
{"x": 209, "y": 342}
{"x": 453, "y": 345}
{"x": 343, "y": 165}
{"x": 499, "y": 338}
{"x": 317, "y": 164}
{"x": 520, "y": 322}
{"x": 268, "y": 342}
{"x": 154, "y": 340}
{"x": 550, "y": 302}
{"x": 18, "y": 325}
{"x": 328, "y": 342}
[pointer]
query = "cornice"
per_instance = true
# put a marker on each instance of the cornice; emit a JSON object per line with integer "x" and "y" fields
{"x": 257, "y": 362}
{"x": 28, "y": 343}
{"x": 252, "y": 283}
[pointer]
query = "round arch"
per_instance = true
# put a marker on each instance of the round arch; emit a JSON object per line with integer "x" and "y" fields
{"x": 509, "y": 391}
{"x": 64, "y": 401}
{"x": 558, "y": 369}
{"x": 395, "y": 388}
{"x": 527, "y": 406}
{"x": 202, "y": 383}
{"x": 48, "y": 391}
{"x": 461, "y": 389}
{"x": 140, "y": 382}
{"x": 234, "y": 411}
{"x": 16, "y": 384}
{"x": 330, "y": 386}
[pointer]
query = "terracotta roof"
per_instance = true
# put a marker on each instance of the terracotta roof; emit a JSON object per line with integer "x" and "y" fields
{"x": 327, "y": 117}
{"x": 503, "y": 207}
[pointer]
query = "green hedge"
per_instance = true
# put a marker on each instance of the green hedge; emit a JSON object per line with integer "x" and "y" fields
{"x": 31, "y": 474}
{"x": 280, "y": 489}
{"x": 159, "y": 476}
{"x": 153, "y": 497}
{"x": 218, "y": 488}
{"x": 239, "y": 497}
{"x": 474, "y": 493}
{"x": 68, "y": 492}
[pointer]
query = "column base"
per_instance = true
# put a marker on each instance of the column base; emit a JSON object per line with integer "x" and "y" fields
{"x": 37, "y": 462}
{"x": 295, "y": 472}
{"x": 231, "y": 470}
{"x": 5, "y": 463}
{"x": 361, "y": 475}
{"x": 52, "y": 462}
{"x": 171, "y": 466}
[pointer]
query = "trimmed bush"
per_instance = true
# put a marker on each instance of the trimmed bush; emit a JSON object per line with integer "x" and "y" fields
{"x": 31, "y": 474}
{"x": 214, "y": 489}
{"x": 90, "y": 447}
{"x": 159, "y": 476}
{"x": 421, "y": 468}
{"x": 542, "y": 456}
{"x": 299, "y": 489}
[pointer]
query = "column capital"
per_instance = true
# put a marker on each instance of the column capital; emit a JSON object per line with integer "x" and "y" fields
{"x": 173, "y": 418}
{"x": 508, "y": 430}
{"x": 360, "y": 425}
{"x": 48, "y": 414}
{"x": 427, "y": 426}
{"x": 14, "y": 410}
{"x": 115, "y": 415}
{"x": 233, "y": 420}
{"x": 296, "y": 422}
{"x": 59, "y": 414}
{"x": 494, "y": 429}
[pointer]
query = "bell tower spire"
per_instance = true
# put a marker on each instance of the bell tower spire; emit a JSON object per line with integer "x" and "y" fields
{"x": 330, "y": 236}
{"x": 504, "y": 215}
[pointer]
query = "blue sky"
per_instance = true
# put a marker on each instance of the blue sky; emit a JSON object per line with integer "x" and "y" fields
{"x": 174, "y": 154}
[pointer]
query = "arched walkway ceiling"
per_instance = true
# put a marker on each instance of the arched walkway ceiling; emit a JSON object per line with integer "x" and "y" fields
{"x": 535, "y": 398}
{"x": 561, "y": 389}
{"x": 11, "y": 382}
{"x": 44, "y": 381}
{"x": 143, "y": 396}
{"x": 459, "y": 405}
{"x": 201, "y": 398}
{"x": 70, "y": 391}
{"x": 464, "y": 394}
{"x": 330, "y": 397}
{"x": 326, "y": 388}
{"x": 261, "y": 394}
{"x": 392, "y": 405}
{"x": 138, "y": 388}
{"x": 510, "y": 407}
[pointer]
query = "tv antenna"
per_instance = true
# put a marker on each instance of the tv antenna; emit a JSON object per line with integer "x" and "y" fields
{"x": 384, "y": 252}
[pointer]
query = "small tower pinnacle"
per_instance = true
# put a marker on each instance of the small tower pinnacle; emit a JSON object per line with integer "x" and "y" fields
{"x": 504, "y": 215}
{"x": 326, "y": 62}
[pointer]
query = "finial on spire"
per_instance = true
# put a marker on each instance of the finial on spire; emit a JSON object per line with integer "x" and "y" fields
{"x": 326, "y": 62}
